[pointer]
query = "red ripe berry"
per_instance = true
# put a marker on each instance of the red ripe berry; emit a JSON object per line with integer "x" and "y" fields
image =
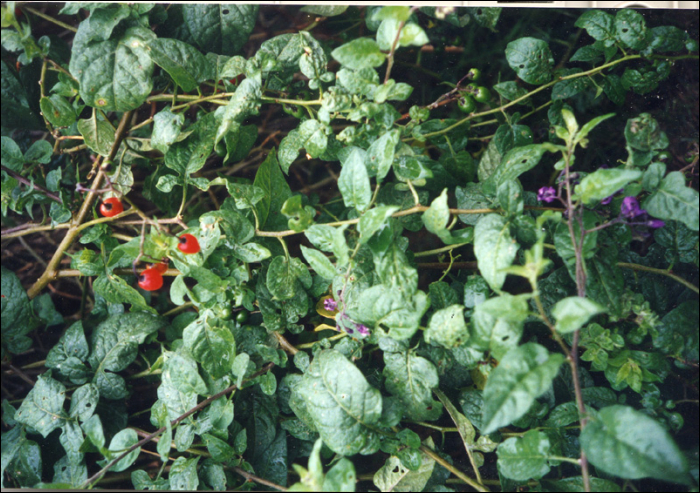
{"x": 111, "y": 207}
{"x": 188, "y": 244}
{"x": 160, "y": 267}
{"x": 150, "y": 280}
{"x": 18, "y": 13}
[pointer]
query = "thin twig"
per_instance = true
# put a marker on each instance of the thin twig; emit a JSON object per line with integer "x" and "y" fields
{"x": 471, "y": 482}
{"x": 73, "y": 231}
{"x": 24, "y": 181}
{"x": 662, "y": 272}
{"x": 96, "y": 477}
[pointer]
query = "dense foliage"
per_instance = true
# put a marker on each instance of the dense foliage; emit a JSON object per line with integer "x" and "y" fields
{"x": 216, "y": 232}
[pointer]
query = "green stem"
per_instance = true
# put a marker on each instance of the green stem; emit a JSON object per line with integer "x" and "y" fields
{"x": 471, "y": 482}
{"x": 447, "y": 248}
{"x": 50, "y": 19}
{"x": 662, "y": 272}
{"x": 315, "y": 102}
{"x": 530, "y": 94}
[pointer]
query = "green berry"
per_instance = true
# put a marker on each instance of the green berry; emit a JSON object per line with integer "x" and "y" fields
{"x": 474, "y": 74}
{"x": 466, "y": 103}
{"x": 242, "y": 316}
{"x": 482, "y": 94}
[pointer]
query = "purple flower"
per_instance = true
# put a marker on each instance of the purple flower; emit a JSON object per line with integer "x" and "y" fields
{"x": 362, "y": 329}
{"x": 546, "y": 194}
{"x": 330, "y": 304}
{"x": 630, "y": 208}
{"x": 656, "y": 223}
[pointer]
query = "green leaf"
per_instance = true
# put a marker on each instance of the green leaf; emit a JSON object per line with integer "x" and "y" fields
{"x": 311, "y": 136}
{"x": 221, "y": 29}
{"x": 282, "y": 275}
{"x": 17, "y": 314}
{"x": 525, "y": 457}
{"x": 486, "y": 16}
{"x": 373, "y": 220}
{"x": 26, "y": 468}
{"x": 250, "y": 252}
{"x": 319, "y": 263}
{"x": 271, "y": 181}
{"x": 442, "y": 295}
{"x": 436, "y": 219}
{"x": 644, "y": 133}
{"x": 668, "y": 38}
{"x": 57, "y": 110}
{"x": 189, "y": 155}
{"x": 447, "y": 327}
{"x": 114, "y": 289}
{"x": 629, "y": 444}
{"x": 363, "y": 81}
{"x": 354, "y": 183}
{"x": 411, "y": 378}
{"x": 212, "y": 346}
{"x": 590, "y": 125}
{"x": 300, "y": 216}
{"x": 394, "y": 476}
{"x": 510, "y": 197}
{"x": 464, "y": 426}
{"x": 525, "y": 373}
{"x": 114, "y": 74}
{"x": 244, "y": 103}
{"x": 494, "y": 248}
{"x": 509, "y": 136}
{"x": 185, "y": 64}
{"x": 84, "y": 402}
{"x": 341, "y": 477}
{"x": 531, "y": 59}
{"x": 115, "y": 343}
{"x": 166, "y": 129}
{"x": 573, "y": 313}
{"x": 674, "y": 200}
{"x": 359, "y": 53}
{"x": 42, "y": 409}
{"x": 513, "y": 164}
{"x": 380, "y": 155}
{"x": 631, "y": 30}
{"x": 576, "y": 484}
{"x": 605, "y": 182}
{"x": 390, "y": 309}
{"x": 183, "y": 474}
{"x": 343, "y": 406}
{"x": 325, "y": 10}
{"x": 497, "y": 324}
{"x": 330, "y": 239}
{"x": 11, "y": 443}
{"x": 510, "y": 90}
{"x": 122, "y": 441}
{"x": 98, "y": 135}
{"x": 599, "y": 25}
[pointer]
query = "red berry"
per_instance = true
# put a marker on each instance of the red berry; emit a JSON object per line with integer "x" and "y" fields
{"x": 160, "y": 267}
{"x": 150, "y": 280}
{"x": 188, "y": 244}
{"x": 111, "y": 207}
{"x": 18, "y": 12}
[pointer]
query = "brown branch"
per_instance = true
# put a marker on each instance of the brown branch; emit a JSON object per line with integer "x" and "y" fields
{"x": 74, "y": 230}
{"x": 24, "y": 181}
{"x": 96, "y": 477}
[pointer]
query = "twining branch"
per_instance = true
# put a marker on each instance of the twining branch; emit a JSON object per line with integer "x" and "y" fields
{"x": 96, "y": 477}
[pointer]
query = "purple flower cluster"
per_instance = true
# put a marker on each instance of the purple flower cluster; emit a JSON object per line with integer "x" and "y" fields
{"x": 547, "y": 194}
{"x": 330, "y": 304}
{"x": 630, "y": 210}
{"x": 343, "y": 321}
